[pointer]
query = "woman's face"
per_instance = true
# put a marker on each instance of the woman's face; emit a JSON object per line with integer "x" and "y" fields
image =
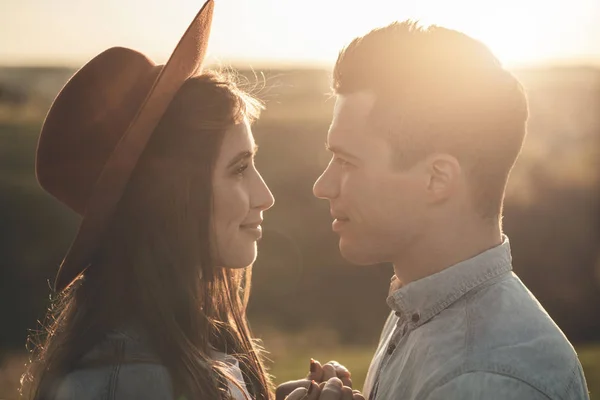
{"x": 240, "y": 196}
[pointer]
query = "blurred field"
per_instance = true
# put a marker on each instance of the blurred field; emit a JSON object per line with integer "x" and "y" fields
{"x": 290, "y": 356}
{"x": 292, "y": 364}
{"x": 307, "y": 301}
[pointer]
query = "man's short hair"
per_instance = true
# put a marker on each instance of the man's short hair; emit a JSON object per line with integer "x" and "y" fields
{"x": 438, "y": 90}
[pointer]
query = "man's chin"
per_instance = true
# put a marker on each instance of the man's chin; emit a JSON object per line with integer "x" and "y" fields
{"x": 356, "y": 254}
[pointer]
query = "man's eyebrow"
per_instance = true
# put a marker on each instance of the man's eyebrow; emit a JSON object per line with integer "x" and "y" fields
{"x": 339, "y": 151}
{"x": 243, "y": 155}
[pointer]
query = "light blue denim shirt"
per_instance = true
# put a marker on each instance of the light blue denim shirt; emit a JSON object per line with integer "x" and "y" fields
{"x": 124, "y": 367}
{"x": 473, "y": 331}
{"x": 120, "y": 367}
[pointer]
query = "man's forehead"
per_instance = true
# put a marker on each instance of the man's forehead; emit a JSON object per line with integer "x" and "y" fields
{"x": 350, "y": 116}
{"x": 353, "y": 108}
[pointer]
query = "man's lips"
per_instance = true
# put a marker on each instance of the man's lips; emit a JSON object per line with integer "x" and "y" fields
{"x": 338, "y": 215}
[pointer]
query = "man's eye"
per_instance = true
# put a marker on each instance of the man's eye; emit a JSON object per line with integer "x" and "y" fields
{"x": 342, "y": 162}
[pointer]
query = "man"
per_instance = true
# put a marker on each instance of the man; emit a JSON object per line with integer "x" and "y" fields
{"x": 426, "y": 128}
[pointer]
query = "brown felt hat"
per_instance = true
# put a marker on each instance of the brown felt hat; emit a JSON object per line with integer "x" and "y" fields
{"x": 98, "y": 126}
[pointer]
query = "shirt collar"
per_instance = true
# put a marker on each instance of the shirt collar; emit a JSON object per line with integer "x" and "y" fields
{"x": 419, "y": 301}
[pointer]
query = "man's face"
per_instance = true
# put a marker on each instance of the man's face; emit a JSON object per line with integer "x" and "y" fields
{"x": 378, "y": 209}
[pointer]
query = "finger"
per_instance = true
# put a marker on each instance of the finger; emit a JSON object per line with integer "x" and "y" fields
{"x": 298, "y": 394}
{"x": 346, "y": 393}
{"x": 340, "y": 370}
{"x": 286, "y": 388}
{"x": 311, "y": 369}
{"x": 314, "y": 392}
{"x": 328, "y": 372}
{"x": 332, "y": 390}
{"x": 356, "y": 395}
{"x": 316, "y": 371}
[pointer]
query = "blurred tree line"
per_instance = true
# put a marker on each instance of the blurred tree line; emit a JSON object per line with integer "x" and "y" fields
{"x": 552, "y": 213}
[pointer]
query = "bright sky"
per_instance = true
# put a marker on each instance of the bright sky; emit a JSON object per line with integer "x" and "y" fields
{"x": 290, "y": 31}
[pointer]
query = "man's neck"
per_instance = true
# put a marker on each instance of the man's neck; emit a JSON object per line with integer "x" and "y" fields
{"x": 444, "y": 249}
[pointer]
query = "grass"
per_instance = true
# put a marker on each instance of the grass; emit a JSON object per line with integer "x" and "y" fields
{"x": 11, "y": 368}
{"x": 590, "y": 360}
{"x": 290, "y": 353}
{"x": 290, "y": 356}
{"x": 292, "y": 362}
{"x": 295, "y": 363}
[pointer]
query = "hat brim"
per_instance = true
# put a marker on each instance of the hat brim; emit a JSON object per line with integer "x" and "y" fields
{"x": 185, "y": 61}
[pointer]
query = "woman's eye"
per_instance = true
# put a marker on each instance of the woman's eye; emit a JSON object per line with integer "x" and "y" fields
{"x": 240, "y": 170}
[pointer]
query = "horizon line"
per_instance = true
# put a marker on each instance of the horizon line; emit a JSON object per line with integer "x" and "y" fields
{"x": 270, "y": 63}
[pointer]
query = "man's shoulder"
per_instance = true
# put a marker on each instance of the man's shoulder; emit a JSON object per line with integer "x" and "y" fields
{"x": 497, "y": 331}
{"x": 506, "y": 316}
{"x": 508, "y": 332}
{"x": 502, "y": 316}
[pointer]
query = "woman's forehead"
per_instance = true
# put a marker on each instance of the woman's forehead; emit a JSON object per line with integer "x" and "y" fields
{"x": 238, "y": 138}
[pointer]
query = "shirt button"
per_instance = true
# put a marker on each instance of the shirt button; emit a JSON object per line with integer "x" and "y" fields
{"x": 391, "y": 349}
{"x": 416, "y": 317}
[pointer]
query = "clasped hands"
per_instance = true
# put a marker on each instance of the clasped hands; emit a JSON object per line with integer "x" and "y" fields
{"x": 331, "y": 381}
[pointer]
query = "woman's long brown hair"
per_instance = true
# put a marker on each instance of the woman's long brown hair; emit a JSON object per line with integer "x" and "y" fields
{"x": 154, "y": 267}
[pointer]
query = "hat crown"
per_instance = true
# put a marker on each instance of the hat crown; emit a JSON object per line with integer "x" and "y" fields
{"x": 98, "y": 127}
{"x": 86, "y": 121}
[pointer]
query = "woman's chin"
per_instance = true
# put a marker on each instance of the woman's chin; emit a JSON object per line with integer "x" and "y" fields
{"x": 241, "y": 260}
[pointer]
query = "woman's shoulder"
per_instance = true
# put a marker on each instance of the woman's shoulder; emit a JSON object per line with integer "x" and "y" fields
{"x": 117, "y": 382}
{"x": 123, "y": 366}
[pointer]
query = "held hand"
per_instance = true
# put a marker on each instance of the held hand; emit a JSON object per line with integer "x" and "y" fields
{"x": 333, "y": 389}
{"x": 284, "y": 390}
{"x": 319, "y": 374}
{"x": 330, "y": 370}
{"x": 302, "y": 393}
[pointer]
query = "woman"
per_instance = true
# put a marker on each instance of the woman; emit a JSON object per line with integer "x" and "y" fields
{"x": 159, "y": 162}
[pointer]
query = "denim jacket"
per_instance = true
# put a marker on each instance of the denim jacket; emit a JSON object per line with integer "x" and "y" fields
{"x": 473, "y": 331}
{"x": 136, "y": 375}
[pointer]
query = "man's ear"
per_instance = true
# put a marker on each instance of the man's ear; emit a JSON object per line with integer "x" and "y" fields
{"x": 444, "y": 173}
